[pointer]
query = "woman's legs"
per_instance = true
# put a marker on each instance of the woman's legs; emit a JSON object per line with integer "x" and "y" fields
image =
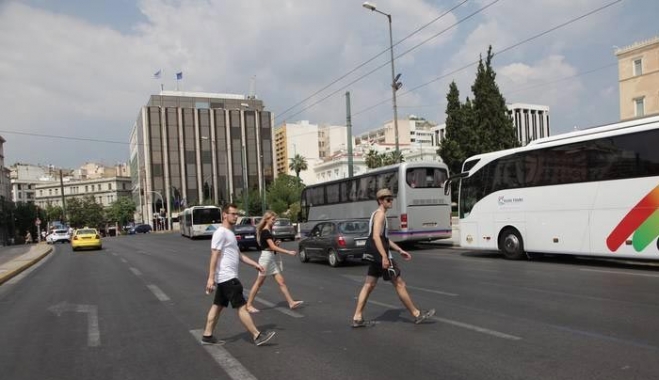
{"x": 284, "y": 289}
{"x": 252, "y": 293}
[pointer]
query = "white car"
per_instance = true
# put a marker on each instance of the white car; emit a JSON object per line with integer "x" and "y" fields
{"x": 59, "y": 236}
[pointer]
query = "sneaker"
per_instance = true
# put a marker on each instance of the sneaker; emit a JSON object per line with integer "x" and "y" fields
{"x": 263, "y": 337}
{"x": 210, "y": 340}
{"x": 423, "y": 315}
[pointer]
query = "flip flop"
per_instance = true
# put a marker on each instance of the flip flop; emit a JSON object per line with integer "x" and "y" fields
{"x": 253, "y": 310}
{"x": 296, "y": 304}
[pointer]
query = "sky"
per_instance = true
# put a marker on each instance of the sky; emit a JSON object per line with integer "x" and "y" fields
{"x": 74, "y": 73}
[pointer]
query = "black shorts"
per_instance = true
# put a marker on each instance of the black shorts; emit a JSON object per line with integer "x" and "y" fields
{"x": 230, "y": 292}
{"x": 375, "y": 270}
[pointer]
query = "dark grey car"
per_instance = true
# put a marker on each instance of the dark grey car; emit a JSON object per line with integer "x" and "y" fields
{"x": 335, "y": 241}
{"x": 283, "y": 229}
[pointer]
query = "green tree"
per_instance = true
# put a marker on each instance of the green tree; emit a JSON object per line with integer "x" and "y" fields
{"x": 373, "y": 159}
{"x": 489, "y": 115}
{"x": 283, "y": 193}
{"x": 392, "y": 158}
{"x": 477, "y": 126}
{"x": 25, "y": 215}
{"x": 121, "y": 211}
{"x": 54, "y": 212}
{"x": 84, "y": 212}
{"x": 298, "y": 164}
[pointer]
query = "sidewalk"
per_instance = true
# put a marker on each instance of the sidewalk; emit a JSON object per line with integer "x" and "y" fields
{"x": 17, "y": 258}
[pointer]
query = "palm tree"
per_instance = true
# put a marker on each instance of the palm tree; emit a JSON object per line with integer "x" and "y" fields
{"x": 373, "y": 159}
{"x": 396, "y": 157}
{"x": 298, "y": 164}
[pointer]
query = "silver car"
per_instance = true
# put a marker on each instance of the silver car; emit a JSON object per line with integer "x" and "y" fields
{"x": 283, "y": 229}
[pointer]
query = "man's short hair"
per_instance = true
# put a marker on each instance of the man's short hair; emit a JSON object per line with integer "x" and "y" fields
{"x": 227, "y": 206}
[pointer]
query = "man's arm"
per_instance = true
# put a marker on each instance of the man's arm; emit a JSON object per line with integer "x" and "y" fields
{"x": 406, "y": 255}
{"x": 210, "y": 283}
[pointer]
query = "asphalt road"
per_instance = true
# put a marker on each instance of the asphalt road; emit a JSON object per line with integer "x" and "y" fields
{"x": 132, "y": 311}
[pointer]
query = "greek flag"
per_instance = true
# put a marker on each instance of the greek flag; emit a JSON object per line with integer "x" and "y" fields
{"x": 179, "y": 75}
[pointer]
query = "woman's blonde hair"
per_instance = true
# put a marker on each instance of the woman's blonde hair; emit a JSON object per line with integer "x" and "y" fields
{"x": 268, "y": 214}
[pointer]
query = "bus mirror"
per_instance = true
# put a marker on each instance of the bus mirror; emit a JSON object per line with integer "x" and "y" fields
{"x": 447, "y": 184}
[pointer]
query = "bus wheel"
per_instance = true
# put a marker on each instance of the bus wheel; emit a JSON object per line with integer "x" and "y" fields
{"x": 511, "y": 244}
{"x": 333, "y": 258}
{"x": 302, "y": 255}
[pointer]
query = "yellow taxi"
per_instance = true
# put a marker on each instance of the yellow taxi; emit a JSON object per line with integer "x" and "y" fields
{"x": 85, "y": 238}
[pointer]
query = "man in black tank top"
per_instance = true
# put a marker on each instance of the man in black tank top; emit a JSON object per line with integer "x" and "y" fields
{"x": 384, "y": 266}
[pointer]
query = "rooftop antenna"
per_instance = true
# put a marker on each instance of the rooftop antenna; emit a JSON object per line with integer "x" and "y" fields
{"x": 252, "y": 88}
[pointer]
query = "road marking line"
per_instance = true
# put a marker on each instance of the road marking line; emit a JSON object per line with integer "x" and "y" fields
{"x": 135, "y": 271}
{"x": 361, "y": 279}
{"x": 433, "y": 291}
{"x": 616, "y": 272}
{"x": 284, "y": 310}
{"x": 114, "y": 253}
{"x": 229, "y": 364}
{"x": 93, "y": 332}
{"x": 123, "y": 260}
{"x": 158, "y": 293}
{"x": 462, "y": 324}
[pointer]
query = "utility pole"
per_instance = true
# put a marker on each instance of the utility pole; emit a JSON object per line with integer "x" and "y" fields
{"x": 61, "y": 187}
{"x": 349, "y": 127}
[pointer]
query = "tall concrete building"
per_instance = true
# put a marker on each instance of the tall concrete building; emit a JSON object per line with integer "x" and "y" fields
{"x": 313, "y": 142}
{"x": 638, "y": 77}
{"x": 413, "y": 131}
{"x": 189, "y": 148}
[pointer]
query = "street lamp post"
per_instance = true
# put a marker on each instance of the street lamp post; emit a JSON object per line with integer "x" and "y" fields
{"x": 395, "y": 84}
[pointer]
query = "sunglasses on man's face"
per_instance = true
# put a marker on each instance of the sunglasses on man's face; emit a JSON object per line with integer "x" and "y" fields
{"x": 388, "y": 199}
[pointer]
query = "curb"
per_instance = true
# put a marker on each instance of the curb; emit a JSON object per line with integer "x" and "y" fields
{"x": 11, "y": 273}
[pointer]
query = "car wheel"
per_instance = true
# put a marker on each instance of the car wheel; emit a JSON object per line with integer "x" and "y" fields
{"x": 511, "y": 244}
{"x": 333, "y": 258}
{"x": 302, "y": 255}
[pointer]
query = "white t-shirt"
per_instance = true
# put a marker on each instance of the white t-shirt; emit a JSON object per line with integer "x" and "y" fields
{"x": 224, "y": 241}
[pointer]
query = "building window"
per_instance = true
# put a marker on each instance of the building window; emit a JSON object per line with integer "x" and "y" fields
{"x": 86, "y": 188}
{"x": 638, "y": 67}
{"x": 639, "y": 106}
{"x": 109, "y": 186}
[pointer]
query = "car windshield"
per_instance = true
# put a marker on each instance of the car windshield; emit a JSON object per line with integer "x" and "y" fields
{"x": 86, "y": 232}
{"x": 282, "y": 222}
{"x": 61, "y": 231}
{"x": 353, "y": 227}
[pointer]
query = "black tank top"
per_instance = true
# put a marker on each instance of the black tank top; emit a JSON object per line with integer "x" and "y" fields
{"x": 263, "y": 241}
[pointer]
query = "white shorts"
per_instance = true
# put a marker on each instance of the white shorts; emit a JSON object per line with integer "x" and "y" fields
{"x": 271, "y": 262}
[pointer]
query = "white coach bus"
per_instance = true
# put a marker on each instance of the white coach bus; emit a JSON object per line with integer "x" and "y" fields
{"x": 421, "y": 209}
{"x": 591, "y": 192}
{"x": 199, "y": 221}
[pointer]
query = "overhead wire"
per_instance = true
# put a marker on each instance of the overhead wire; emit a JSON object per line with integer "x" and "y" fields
{"x": 398, "y": 56}
{"x": 599, "y": 9}
{"x": 280, "y": 115}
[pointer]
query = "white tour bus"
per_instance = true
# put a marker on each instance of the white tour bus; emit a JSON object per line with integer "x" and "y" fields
{"x": 421, "y": 210}
{"x": 198, "y": 221}
{"x": 591, "y": 192}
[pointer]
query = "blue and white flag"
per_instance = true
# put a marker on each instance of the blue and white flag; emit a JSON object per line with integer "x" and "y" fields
{"x": 179, "y": 75}
{"x": 156, "y": 75}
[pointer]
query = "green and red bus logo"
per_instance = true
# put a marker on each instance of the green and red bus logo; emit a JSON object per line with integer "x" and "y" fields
{"x": 642, "y": 221}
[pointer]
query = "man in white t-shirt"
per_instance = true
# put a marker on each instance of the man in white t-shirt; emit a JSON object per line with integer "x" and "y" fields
{"x": 223, "y": 278}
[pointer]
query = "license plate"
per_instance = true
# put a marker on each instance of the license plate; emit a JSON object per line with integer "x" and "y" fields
{"x": 360, "y": 243}
{"x": 249, "y": 236}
